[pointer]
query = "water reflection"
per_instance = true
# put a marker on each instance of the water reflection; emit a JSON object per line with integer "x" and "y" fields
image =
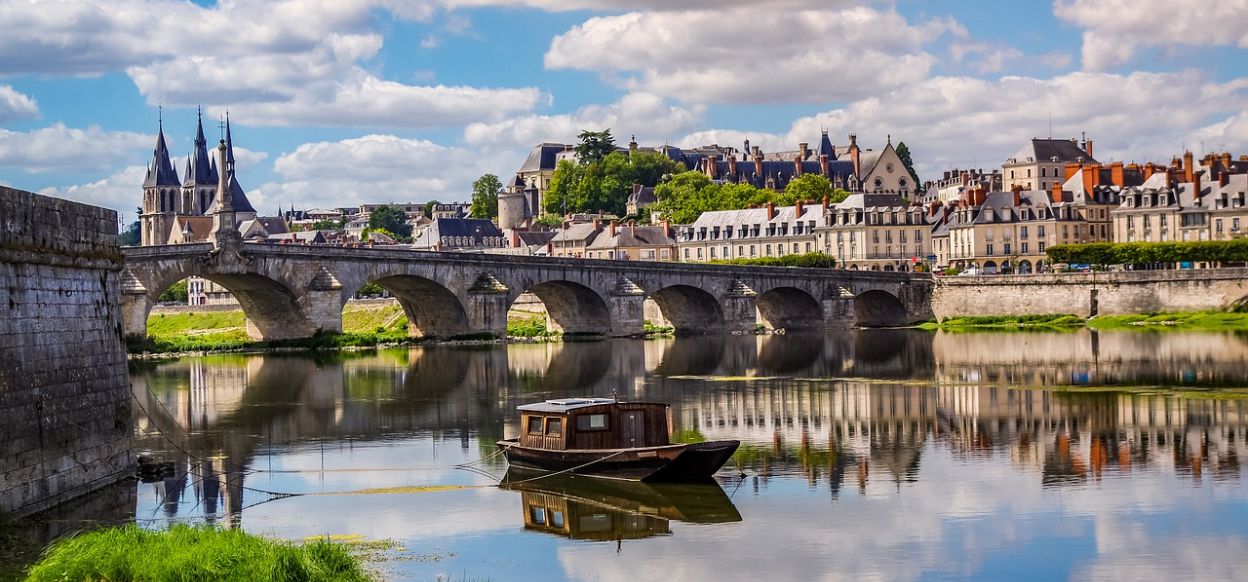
{"x": 582, "y": 508}
{"x": 910, "y": 432}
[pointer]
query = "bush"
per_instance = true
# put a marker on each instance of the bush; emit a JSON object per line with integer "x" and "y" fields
{"x": 1144, "y": 253}
{"x": 806, "y": 260}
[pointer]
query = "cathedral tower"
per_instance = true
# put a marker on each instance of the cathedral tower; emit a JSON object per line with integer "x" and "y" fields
{"x": 161, "y": 194}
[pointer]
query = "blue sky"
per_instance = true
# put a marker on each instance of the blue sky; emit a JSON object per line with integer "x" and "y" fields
{"x": 338, "y": 103}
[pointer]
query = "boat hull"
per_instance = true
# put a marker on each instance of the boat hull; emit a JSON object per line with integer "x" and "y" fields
{"x": 680, "y": 462}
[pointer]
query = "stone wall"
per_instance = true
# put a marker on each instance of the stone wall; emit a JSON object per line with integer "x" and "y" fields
{"x": 1087, "y": 294}
{"x": 64, "y": 392}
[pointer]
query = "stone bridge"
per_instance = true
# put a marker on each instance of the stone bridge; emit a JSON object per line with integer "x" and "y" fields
{"x": 292, "y": 291}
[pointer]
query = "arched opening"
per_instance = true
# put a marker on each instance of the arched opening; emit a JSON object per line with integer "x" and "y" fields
{"x": 572, "y": 308}
{"x": 685, "y": 308}
{"x": 208, "y": 309}
{"x": 1024, "y": 267}
{"x": 878, "y": 309}
{"x": 990, "y": 268}
{"x": 431, "y": 309}
{"x": 789, "y": 308}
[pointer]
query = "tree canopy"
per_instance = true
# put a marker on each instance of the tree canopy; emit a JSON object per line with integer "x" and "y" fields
{"x": 903, "y": 152}
{"x": 689, "y": 194}
{"x": 604, "y": 185}
{"x": 132, "y": 236}
{"x": 594, "y": 145}
{"x": 485, "y": 196}
{"x": 392, "y": 220}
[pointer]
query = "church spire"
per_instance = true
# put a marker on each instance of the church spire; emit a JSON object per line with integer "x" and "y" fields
{"x": 160, "y": 171}
{"x": 200, "y": 172}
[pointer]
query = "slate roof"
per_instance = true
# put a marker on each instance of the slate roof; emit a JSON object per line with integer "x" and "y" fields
{"x": 476, "y": 229}
{"x": 533, "y": 238}
{"x": 200, "y": 168}
{"x": 581, "y": 232}
{"x": 238, "y": 199}
{"x": 192, "y": 228}
{"x": 160, "y": 171}
{"x": 542, "y": 157}
{"x": 1044, "y": 150}
{"x": 309, "y": 236}
{"x": 630, "y": 236}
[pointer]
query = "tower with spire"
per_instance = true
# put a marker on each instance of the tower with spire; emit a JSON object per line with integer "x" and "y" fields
{"x": 161, "y": 193}
{"x": 181, "y": 210}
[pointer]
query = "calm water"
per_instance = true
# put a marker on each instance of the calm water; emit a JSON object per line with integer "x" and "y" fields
{"x": 891, "y": 455}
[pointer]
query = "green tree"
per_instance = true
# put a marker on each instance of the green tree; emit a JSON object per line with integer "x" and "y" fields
{"x": 604, "y": 185}
{"x": 133, "y": 235}
{"x": 903, "y": 153}
{"x": 176, "y": 293}
{"x": 485, "y": 196}
{"x": 807, "y": 187}
{"x": 326, "y": 224}
{"x": 838, "y": 196}
{"x": 392, "y": 220}
{"x": 429, "y": 206}
{"x": 650, "y": 168}
{"x": 594, "y": 145}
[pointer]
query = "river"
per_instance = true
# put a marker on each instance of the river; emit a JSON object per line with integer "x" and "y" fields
{"x": 875, "y": 454}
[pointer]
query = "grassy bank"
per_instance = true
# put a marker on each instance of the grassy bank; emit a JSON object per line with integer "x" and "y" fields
{"x": 362, "y": 326}
{"x": 1007, "y": 322}
{"x": 193, "y": 553}
{"x": 1184, "y": 321}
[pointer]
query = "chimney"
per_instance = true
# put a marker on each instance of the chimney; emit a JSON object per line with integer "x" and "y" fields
{"x": 1068, "y": 170}
{"x": 803, "y": 148}
{"x": 825, "y": 204}
{"x": 824, "y": 167}
{"x": 612, "y": 227}
{"x": 732, "y": 166}
{"x": 797, "y": 209}
{"x": 1018, "y": 194}
{"x": 632, "y": 228}
{"x": 712, "y": 167}
{"x": 1226, "y": 161}
{"x": 1087, "y": 148}
{"x": 1187, "y": 166}
{"x": 1055, "y": 194}
{"x": 758, "y": 162}
{"x": 667, "y": 227}
{"x": 1223, "y": 178}
{"x": 797, "y": 166}
{"x": 1091, "y": 176}
{"x": 1115, "y": 174}
{"x": 966, "y": 178}
{"x": 853, "y": 156}
{"x": 515, "y": 239}
{"x": 1149, "y": 169}
{"x": 597, "y": 224}
{"x": 853, "y": 141}
{"x": 771, "y": 210}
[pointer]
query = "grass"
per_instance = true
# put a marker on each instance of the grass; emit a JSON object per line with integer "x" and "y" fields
{"x": 1184, "y": 321}
{"x": 1008, "y": 322}
{"x": 193, "y": 553}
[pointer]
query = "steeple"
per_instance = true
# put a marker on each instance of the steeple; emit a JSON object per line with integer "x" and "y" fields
{"x": 160, "y": 171}
{"x": 201, "y": 172}
{"x": 229, "y": 145}
{"x": 825, "y": 146}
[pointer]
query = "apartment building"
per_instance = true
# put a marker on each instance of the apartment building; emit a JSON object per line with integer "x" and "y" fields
{"x": 876, "y": 232}
{"x": 771, "y": 231}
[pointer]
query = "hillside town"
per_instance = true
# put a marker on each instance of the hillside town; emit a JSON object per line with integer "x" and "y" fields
{"x": 864, "y": 207}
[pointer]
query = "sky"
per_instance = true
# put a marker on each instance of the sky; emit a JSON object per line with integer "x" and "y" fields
{"x": 337, "y": 102}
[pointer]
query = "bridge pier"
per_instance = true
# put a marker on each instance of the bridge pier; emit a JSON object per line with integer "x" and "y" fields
{"x": 627, "y": 314}
{"x": 740, "y": 308}
{"x": 838, "y": 309}
{"x": 487, "y": 311}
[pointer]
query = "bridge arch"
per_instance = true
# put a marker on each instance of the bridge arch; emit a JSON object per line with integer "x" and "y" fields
{"x": 789, "y": 308}
{"x": 689, "y": 309}
{"x": 572, "y": 307}
{"x": 272, "y": 310}
{"x": 432, "y": 310}
{"x": 876, "y": 308}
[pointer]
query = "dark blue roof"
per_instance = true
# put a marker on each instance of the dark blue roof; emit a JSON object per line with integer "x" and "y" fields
{"x": 201, "y": 172}
{"x": 160, "y": 171}
{"x": 826, "y": 148}
{"x": 542, "y": 157}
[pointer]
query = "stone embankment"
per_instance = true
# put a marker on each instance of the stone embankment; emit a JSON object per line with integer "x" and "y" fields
{"x": 1090, "y": 294}
{"x": 65, "y": 424}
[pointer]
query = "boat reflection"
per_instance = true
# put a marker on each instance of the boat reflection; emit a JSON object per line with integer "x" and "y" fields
{"x": 582, "y": 508}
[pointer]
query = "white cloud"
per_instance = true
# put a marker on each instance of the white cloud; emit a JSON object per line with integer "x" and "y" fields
{"x": 289, "y": 62}
{"x": 655, "y": 5}
{"x": 57, "y": 147}
{"x": 748, "y": 55}
{"x": 649, "y": 116}
{"x": 15, "y": 105}
{"x": 967, "y": 122}
{"x": 373, "y": 168}
{"x": 121, "y": 192}
{"x": 1115, "y": 29}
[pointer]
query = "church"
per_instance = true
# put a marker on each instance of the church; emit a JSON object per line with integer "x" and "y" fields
{"x": 180, "y": 211}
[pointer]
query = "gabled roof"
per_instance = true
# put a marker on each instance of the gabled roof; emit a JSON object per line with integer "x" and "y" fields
{"x": 632, "y": 236}
{"x": 160, "y": 170}
{"x": 1044, "y": 150}
{"x": 475, "y": 229}
{"x": 581, "y": 232}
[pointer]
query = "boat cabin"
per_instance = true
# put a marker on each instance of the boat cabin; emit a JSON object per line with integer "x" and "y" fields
{"x": 593, "y": 423}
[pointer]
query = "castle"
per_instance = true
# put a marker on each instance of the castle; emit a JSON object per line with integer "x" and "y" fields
{"x": 180, "y": 211}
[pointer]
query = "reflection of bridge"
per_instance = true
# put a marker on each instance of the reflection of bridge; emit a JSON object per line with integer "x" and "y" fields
{"x": 293, "y": 291}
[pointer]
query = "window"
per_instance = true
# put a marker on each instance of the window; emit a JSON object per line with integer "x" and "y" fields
{"x": 1022, "y": 232}
{"x": 1130, "y": 221}
{"x": 1234, "y": 224}
{"x": 537, "y": 515}
{"x": 1006, "y": 248}
{"x": 686, "y": 254}
{"x": 767, "y": 250}
{"x": 989, "y": 251}
{"x": 556, "y": 518}
{"x": 591, "y": 422}
{"x": 1040, "y": 246}
{"x": 712, "y": 252}
{"x": 808, "y": 244}
{"x": 726, "y": 250}
{"x": 535, "y": 425}
{"x": 1218, "y": 226}
{"x": 699, "y": 253}
{"x": 554, "y": 426}
{"x": 1024, "y": 245}
{"x": 753, "y": 250}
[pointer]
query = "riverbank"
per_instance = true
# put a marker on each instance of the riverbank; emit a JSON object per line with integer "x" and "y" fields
{"x": 186, "y": 552}
{"x": 1178, "y": 321}
{"x": 364, "y": 325}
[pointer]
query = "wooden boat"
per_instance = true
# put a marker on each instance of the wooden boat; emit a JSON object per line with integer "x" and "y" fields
{"x": 606, "y": 438}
